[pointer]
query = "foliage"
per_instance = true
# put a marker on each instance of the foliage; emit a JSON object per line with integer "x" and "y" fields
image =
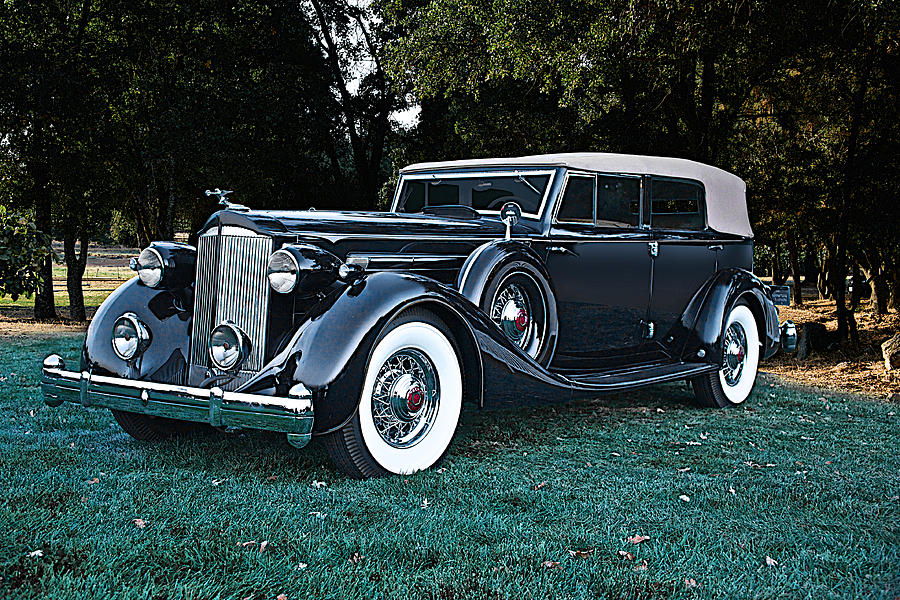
{"x": 814, "y": 489}
{"x": 799, "y": 99}
{"x": 22, "y": 246}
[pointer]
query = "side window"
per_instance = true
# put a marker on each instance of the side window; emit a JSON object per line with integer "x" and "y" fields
{"x": 577, "y": 201}
{"x": 618, "y": 201}
{"x": 676, "y": 204}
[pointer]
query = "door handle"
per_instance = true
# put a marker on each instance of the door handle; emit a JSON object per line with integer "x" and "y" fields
{"x": 560, "y": 250}
{"x": 716, "y": 247}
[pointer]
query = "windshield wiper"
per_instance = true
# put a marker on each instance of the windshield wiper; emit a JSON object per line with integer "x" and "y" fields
{"x": 521, "y": 178}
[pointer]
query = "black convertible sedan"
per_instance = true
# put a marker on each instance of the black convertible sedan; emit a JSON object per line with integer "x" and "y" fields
{"x": 489, "y": 283}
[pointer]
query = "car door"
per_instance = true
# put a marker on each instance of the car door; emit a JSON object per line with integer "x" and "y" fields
{"x": 599, "y": 264}
{"x": 685, "y": 250}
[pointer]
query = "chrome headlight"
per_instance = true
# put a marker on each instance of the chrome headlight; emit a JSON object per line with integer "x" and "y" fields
{"x": 228, "y": 346}
{"x": 130, "y": 337}
{"x": 282, "y": 271}
{"x": 149, "y": 266}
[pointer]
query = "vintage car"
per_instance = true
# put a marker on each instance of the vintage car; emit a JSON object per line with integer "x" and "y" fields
{"x": 489, "y": 283}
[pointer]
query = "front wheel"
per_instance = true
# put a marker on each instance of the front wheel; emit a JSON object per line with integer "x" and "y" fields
{"x": 732, "y": 384}
{"x": 410, "y": 403}
{"x": 146, "y": 428}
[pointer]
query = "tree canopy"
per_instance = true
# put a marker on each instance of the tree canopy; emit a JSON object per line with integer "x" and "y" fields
{"x": 123, "y": 112}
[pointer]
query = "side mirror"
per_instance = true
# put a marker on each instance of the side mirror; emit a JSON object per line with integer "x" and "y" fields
{"x": 510, "y": 213}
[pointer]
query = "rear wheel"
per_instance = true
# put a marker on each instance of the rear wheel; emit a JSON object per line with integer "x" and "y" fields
{"x": 410, "y": 402}
{"x": 732, "y": 384}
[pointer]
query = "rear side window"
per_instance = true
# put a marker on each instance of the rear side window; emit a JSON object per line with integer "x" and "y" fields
{"x": 578, "y": 201}
{"x": 677, "y": 204}
{"x": 618, "y": 201}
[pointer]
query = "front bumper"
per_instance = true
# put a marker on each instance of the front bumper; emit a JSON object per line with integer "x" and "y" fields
{"x": 293, "y": 415}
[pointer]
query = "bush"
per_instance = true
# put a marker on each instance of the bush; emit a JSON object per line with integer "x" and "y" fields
{"x": 22, "y": 247}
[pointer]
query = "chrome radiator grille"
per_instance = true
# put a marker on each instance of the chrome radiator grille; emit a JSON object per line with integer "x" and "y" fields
{"x": 231, "y": 285}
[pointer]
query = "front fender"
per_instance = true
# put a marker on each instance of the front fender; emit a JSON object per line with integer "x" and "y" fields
{"x": 167, "y": 315}
{"x": 329, "y": 352}
{"x": 703, "y": 321}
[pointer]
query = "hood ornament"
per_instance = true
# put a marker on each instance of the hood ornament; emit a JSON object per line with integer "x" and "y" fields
{"x": 223, "y": 201}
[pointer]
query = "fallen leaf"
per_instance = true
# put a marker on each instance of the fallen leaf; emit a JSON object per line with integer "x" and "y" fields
{"x": 731, "y": 490}
{"x": 94, "y": 480}
{"x": 580, "y": 553}
{"x": 637, "y": 538}
{"x": 625, "y": 554}
{"x": 616, "y": 454}
{"x": 641, "y": 566}
{"x": 691, "y": 583}
{"x": 704, "y": 436}
{"x": 540, "y": 485}
{"x": 35, "y": 554}
{"x": 262, "y": 545}
{"x": 659, "y": 410}
{"x": 245, "y": 544}
{"x": 318, "y": 484}
{"x": 281, "y": 597}
{"x": 218, "y": 481}
{"x": 271, "y": 477}
{"x": 301, "y": 566}
{"x": 31, "y": 413}
{"x": 425, "y": 503}
{"x": 684, "y": 470}
{"x": 684, "y": 498}
{"x": 442, "y": 469}
{"x": 139, "y": 523}
{"x": 771, "y": 561}
{"x": 356, "y": 558}
{"x": 551, "y": 564}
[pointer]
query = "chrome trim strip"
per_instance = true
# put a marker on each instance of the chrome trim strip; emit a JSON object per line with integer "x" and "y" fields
{"x": 409, "y": 258}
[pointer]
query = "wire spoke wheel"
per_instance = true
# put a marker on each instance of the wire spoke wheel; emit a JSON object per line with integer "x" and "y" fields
{"x": 405, "y": 398}
{"x": 519, "y": 309}
{"x": 735, "y": 344}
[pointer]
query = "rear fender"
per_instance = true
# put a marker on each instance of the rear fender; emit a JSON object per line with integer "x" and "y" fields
{"x": 701, "y": 326}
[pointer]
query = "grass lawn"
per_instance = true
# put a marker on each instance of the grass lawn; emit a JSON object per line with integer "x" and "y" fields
{"x": 533, "y": 503}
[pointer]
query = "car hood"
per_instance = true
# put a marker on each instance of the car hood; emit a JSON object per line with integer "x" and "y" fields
{"x": 337, "y": 225}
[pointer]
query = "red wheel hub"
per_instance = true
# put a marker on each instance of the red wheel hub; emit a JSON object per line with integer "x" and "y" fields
{"x": 521, "y": 320}
{"x": 414, "y": 399}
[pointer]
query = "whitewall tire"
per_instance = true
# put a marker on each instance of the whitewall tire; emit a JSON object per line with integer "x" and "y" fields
{"x": 732, "y": 384}
{"x": 410, "y": 401}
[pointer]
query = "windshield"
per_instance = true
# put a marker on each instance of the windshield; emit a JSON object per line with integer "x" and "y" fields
{"x": 485, "y": 193}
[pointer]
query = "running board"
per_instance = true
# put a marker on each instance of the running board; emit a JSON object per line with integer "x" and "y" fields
{"x": 636, "y": 377}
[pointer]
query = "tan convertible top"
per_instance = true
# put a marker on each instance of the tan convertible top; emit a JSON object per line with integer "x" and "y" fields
{"x": 726, "y": 201}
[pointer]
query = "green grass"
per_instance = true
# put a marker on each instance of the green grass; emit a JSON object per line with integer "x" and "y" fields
{"x": 815, "y": 488}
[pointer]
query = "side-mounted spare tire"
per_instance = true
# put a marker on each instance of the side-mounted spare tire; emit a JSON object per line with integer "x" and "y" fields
{"x": 508, "y": 281}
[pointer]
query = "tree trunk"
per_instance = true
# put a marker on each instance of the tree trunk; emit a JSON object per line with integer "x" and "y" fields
{"x": 880, "y": 291}
{"x": 75, "y": 265}
{"x": 44, "y": 303}
{"x": 893, "y": 285}
{"x": 778, "y": 274}
{"x": 794, "y": 253}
